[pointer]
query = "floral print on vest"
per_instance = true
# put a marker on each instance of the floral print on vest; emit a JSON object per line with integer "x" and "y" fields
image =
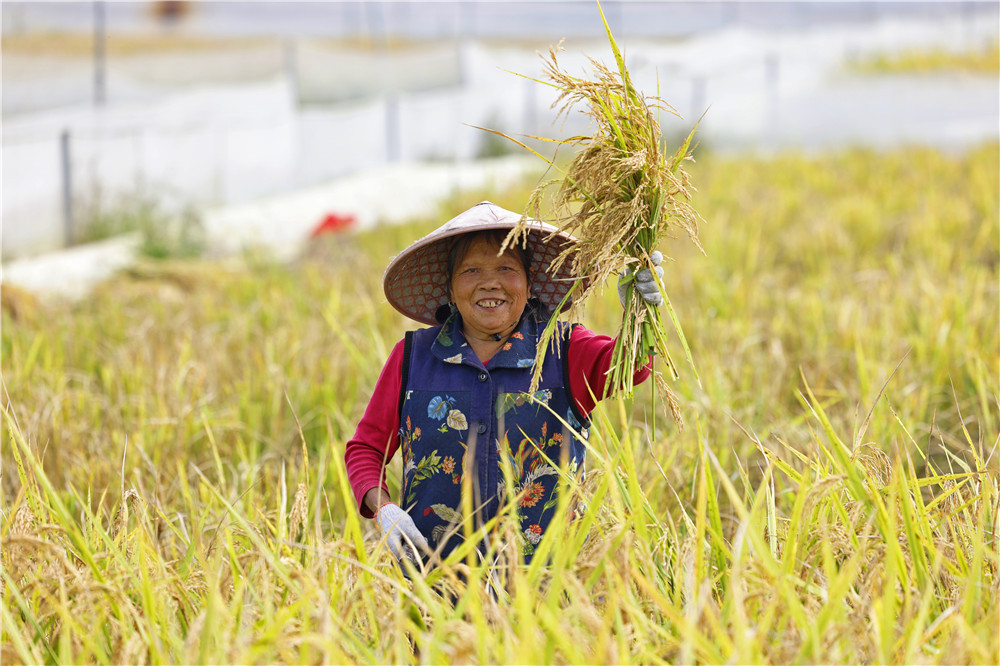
{"x": 455, "y": 407}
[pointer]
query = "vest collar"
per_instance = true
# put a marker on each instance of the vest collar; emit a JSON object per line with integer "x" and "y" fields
{"x": 451, "y": 346}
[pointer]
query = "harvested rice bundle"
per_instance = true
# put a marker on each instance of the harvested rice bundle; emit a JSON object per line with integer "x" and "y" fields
{"x": 621, "y": 196}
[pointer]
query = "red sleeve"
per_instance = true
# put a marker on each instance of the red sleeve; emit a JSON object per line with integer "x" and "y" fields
{"x": 589, "y": 359}
{"x": 377, "y": 437}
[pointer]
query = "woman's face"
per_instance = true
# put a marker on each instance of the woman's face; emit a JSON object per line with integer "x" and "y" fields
{"x": 489, "y": 290}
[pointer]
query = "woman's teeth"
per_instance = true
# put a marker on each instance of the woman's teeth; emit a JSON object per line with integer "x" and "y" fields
{"x": 489, "y": 304}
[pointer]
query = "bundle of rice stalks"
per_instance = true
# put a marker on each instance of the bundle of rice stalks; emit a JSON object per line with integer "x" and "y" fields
{"x": 621, "y": 195}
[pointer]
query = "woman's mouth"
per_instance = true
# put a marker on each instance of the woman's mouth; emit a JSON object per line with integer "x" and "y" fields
{"x": 489, "y": 303}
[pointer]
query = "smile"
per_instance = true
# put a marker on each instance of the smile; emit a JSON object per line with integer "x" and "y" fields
{"x": 489, "y": 303}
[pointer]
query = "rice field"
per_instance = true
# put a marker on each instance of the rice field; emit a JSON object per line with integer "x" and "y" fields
{"x": 984, "y": 61}
{"x": 173, "y": 489}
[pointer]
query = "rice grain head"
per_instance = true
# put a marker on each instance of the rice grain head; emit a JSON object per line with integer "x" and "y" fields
{"x": 621, "y": 197}
{"x": 297, "y": 521}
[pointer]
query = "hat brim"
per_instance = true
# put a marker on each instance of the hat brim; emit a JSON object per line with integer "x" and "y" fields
{"x": 416, "y": 281}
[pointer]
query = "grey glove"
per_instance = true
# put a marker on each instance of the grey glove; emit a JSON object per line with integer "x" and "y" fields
{"x": 645, "y": 283}
{"x": 402, "y": 535}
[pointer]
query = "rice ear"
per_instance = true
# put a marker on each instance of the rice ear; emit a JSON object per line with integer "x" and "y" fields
{"x": 621, "y": 197}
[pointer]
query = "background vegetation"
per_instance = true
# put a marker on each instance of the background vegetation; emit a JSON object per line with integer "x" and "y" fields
{"x": 173, "y": 487}
{"x": 982, "y": 61}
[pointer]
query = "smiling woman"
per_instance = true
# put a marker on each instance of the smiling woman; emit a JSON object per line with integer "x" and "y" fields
{"x": 461, "y": 391}
{"x": 489, "y": 289}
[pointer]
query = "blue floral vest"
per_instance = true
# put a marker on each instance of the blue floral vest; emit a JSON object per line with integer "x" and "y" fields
{"x": 459, "y": 417}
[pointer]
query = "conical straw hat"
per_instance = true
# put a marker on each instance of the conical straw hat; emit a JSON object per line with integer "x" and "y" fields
{"x": 415, "y": 282}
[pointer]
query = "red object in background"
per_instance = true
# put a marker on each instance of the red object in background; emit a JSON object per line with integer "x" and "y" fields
{"x": 171, "y": 11}
{"x": 333, "y": 223}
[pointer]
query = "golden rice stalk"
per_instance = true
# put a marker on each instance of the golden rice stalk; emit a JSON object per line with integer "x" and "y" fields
{"x": 300, "y": 512}
{"x": 621, "y": 196}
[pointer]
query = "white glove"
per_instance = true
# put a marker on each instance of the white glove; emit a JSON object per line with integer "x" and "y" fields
{"x": 645, "y": 283}
{"x": 402, "y": 535}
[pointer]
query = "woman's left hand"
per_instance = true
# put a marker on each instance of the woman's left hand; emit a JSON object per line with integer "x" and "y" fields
{"x": 645, "y": 283}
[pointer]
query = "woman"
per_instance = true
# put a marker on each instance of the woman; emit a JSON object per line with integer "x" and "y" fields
{"x": 455, "y": 396}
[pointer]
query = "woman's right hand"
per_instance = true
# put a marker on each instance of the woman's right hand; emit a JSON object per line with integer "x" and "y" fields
{"x": 400, "y": 533}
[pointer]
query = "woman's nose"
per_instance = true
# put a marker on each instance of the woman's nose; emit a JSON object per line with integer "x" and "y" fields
{"x": 490, "y": 281}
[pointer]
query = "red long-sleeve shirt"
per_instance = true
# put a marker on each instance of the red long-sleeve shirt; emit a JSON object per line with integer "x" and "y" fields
{"x": 376, "y": 439}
